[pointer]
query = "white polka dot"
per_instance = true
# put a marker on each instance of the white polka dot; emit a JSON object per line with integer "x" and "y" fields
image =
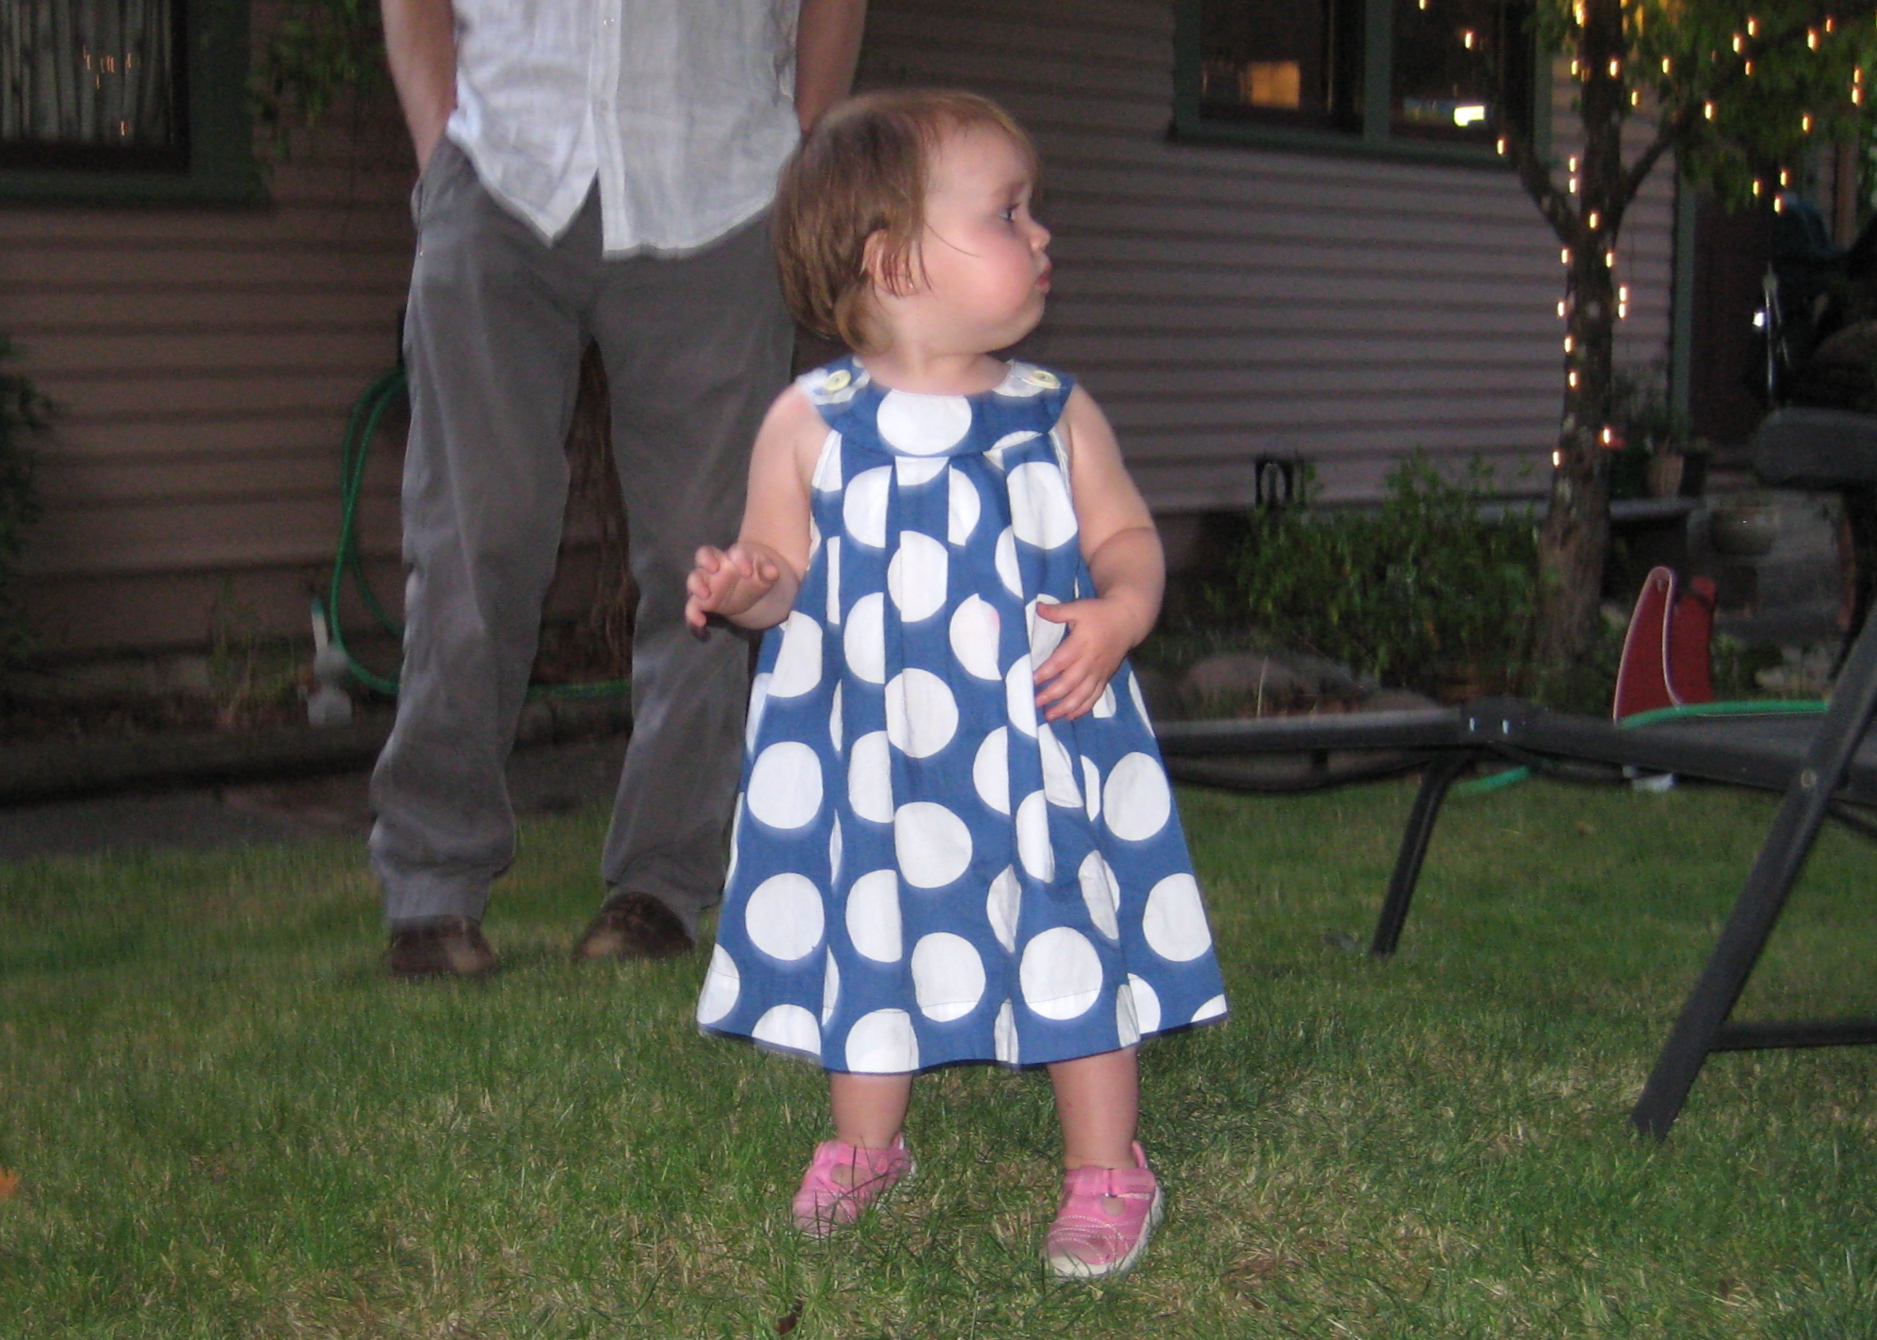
{"x": 912, "y": 472}
{"x": 784, "y": 916}
{"x": 1058, "y": 769}
{"x": 1020, "y": 695}
{"x": 814, "y": 540}
{"x": 835, "y": 848}
{"x": 1034, "y": 848}
{"x": 1146, "y": 1004}
{"x": 863, "y": 641}
{"x": 790, "y": 1027}
{"x": 798, "y": 664}
{"x": 1009, "y": 440}
{"x": 1175, "y": 919}
{"x": 1100, "y": 894}
{"x": 947, "y": 976}
{"x": 785, "y": 785}
{"x": 922, "y": 425}
{"x": 1127, "y": 1028}
{"x": 933, "y": 844}
{"x": 736, "y": 831}
{"x": 722, "y": 985}
{"x": 921, "y": 714}
{"x": 827, "y": 477}
{"x": 882, "y": 1043}
{"x": 1001, "y": 907}
{"x": 963, "y": 507}
{"x": 1004, "y": 1035}
{"x": 1091, "y": 787}
{"x": 758, "y": 700}
{"x": 1105, "y": 705}
{"x": 1140, "y": 702}
{"x": 830, "y": 990}
{"x": 916, "y": 576}
{"x": 863, "y": 506}
{"x": 870, "y": 778}
{"x": 1061, "y": 973}
{"x": 835, "y": 725}
{"x": 990, "y": 770}
{"x": 834, "y": 582}
{"x": 974, "y": 631}
{"x": 1212, "y": 1009}
{"x": 1136, "y": 798}
{"x": 1045, "y": 636}
{"x": 873, "y": 916}
{"x": 1006, "y": 558}
{"x": 1040, "y": 510}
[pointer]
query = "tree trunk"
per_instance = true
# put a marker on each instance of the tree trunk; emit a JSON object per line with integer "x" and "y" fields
{"x": 1576, "y": 530}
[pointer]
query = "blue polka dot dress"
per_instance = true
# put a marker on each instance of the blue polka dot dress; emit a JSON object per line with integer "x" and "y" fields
{"x": 923, "y": 871}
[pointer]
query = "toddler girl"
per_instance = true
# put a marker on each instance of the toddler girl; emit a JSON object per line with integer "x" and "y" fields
{"x": 955, "y": 840}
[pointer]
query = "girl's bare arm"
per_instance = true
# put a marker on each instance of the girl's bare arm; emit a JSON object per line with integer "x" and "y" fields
{"x": 755, "y": 581}
{"x": 1123, "y": 553}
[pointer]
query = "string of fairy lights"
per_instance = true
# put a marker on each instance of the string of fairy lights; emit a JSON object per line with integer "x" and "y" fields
{"x": 1592, "y": 223}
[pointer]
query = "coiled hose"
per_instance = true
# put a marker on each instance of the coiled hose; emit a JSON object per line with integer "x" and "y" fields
{"x": 361, "y": 426}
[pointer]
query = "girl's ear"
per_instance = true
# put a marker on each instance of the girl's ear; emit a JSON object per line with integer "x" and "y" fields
{"x": 893, "y": 276}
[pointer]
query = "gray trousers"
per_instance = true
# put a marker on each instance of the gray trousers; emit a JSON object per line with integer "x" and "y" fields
{"x": 695, "y": 348}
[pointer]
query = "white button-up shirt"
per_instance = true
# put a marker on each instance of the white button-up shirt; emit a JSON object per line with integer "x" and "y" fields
{"x": 683, "y": 110}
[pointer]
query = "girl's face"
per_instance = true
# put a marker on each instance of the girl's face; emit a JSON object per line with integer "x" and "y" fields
{"x": 983, "y": 255}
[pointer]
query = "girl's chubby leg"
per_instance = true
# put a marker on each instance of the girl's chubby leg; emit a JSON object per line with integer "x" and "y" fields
{"x": 866, "y": 1158}
{"x": 1110, "y": 1197}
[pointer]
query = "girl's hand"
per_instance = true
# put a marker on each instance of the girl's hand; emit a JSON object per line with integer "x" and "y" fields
{"x": 1073, "y": 677}
{"x": 726, "y": 582}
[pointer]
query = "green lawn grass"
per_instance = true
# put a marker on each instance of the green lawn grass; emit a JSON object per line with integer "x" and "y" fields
{"x": 227, "y": 1124}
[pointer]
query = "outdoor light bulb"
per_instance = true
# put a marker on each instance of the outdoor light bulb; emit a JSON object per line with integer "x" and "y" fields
{"x": 1747, "y": 69}
{"x": 1567, "y": 344}
{"x": 1635, "y": 98}
{"x": 1616, "y": 67}
{"x": 1571, "y": 164}
{"x": 1573, "y": 186}
{"x": 1785, "y": 177}
{"x": 1811, "y": 38}
{"x": 1609, "y": 259}
{"x": 1564, "y": 256}
{"x": 1502, "y": 144}
{"x": 1665, "y": 65}
{"x": 1608, "y": 437}
{"x": 1622, "y": 292}
{"x": 1560, "y": 309}
{"x": 1466, "y": 39}
{"x": 1857, "y": 97}
{"x": 1739, "y": 42}
{"x": 1830, "y": 24}
{"x": 1779, "y": 204}
{"x": 1557, "y": 459}
{"x": 1593, "y": 220}
{"x": 1574, "y": 68}
{"x": 1572, "y": 379}
{"x": 1753, "y": 27}
{"x": 1707, "y": 110}
{"x": 1756, "y": 186}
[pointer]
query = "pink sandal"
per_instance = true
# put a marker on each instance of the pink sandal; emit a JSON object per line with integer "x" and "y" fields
{"x": 1106, "y": 1217}
{"x": 825, "y": 1203}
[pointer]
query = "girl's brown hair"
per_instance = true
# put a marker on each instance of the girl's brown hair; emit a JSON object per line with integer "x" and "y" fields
{"x": 862, "y": 171}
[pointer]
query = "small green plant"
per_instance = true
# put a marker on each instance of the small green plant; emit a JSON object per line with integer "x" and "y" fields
{"x": 255, "y": 675}
{"x": 24, "y": 413}
{"x": 1424, "y": 592}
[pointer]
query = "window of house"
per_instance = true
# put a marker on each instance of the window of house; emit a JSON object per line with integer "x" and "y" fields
{"x": 1402, "y": 75}
{"x": 124, "y": 99}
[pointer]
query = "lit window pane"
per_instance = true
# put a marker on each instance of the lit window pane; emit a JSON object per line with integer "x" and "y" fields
{"x": 1280, "y": 60}
{"x": 1457, "y": 65}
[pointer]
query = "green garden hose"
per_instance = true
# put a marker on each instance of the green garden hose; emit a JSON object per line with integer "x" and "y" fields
{"x": 1741, "y": 708}
{"x": 361, "y": 426}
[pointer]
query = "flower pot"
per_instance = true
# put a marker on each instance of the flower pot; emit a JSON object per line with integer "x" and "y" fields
{"x": 1744, "y": 530}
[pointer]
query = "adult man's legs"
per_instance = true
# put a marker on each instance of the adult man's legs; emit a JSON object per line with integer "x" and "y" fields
{"x": 696, "y": 349}
{"x": 492, "y": 344}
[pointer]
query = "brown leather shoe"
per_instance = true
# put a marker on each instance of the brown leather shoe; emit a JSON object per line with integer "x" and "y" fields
{"x": 443, "y": 947}
{"x": 633, "y": 925}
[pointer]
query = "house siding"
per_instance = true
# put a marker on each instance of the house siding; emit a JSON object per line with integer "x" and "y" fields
{"x": 1224, "y": 303}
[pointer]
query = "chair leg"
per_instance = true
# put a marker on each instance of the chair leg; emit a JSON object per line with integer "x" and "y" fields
{"x": 1438, "y": 776}
{"x": 1788, "y": 842}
